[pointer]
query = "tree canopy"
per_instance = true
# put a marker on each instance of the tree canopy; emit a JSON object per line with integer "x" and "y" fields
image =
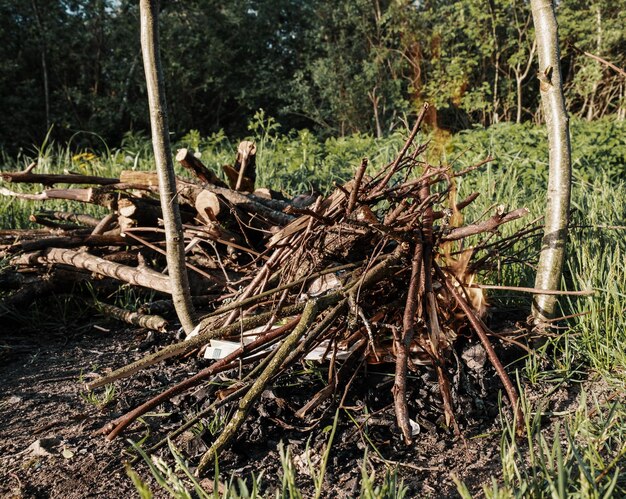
{"x": 340, "y": 67}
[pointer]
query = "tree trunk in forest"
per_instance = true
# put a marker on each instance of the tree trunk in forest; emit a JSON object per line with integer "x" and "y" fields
{"x": 165, "y": 169}
{"x": 559, "y": 183}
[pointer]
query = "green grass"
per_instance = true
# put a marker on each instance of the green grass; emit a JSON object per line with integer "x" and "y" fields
{"x": 579, "y": 456}
{"x": 178, "y": 480}
{"x": 582, "y": 456}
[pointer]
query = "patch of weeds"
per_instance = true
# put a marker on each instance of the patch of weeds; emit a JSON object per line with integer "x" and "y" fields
{"x": 319, "y": 473}
{"x": 390, "y": 488}
{"x": 580, "y": 457}
{"x": 180, "y": 482}
{"x": 100, "y": 401}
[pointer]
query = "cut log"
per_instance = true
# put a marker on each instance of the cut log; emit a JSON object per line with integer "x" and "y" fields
{"x": 138, "y": 212}
{"x": 195, "y": 166}
{"x": 100, "y": 196}
{"x": 242, "y": 176}
{"x": 208, "y": 206}
{"x": 144, "y": 277}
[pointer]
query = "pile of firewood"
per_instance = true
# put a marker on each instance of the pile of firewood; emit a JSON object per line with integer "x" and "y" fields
{"x": 379, "y": 271}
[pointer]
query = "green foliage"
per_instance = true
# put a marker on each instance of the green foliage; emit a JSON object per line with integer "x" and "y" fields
{"x": 338, "y": 67}
{"x": 100, "y": 401}
{"x": 598, "y": 149}
{"x": 580, "y": 459}
{"x": 597, "y": 262}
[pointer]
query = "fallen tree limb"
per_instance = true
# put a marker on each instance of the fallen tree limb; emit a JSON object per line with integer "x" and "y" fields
{"x": 93, "y": 195}
{"x": 49, "y": 179}
{"x": 153, "y": 322}
{"x": 144, "y": 277}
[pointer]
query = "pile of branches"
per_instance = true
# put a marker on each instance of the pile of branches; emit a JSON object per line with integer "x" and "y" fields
{"x": 378, "y": 271}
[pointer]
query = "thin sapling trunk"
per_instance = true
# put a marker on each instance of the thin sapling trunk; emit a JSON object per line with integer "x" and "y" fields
{"x": 165, "y": 169}
{"x": 559, "y": 183}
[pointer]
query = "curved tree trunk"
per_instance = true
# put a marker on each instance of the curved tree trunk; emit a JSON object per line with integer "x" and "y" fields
{"x": 559, "y": 182}
{"x": 165, "y": 169}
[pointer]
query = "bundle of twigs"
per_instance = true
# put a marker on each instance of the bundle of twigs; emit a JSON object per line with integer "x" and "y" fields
{"x": 372, "y": 272}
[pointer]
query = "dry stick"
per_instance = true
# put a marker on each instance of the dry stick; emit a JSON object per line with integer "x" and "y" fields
{"x": 260, "y": 277}
{"x": 446, "y": 396}
{"x": 486, "y": 226}
{"x": 403, "y": 343}
{"x": 434, "y": 328}
{"x": 256, "y": 298}
{"x": 51, "y": 179}
{"x": 358, "y": 177}
{"x": 190, "y": 344}
{"x": 394, "y": 167}
{"x": 218, "y": 366}
{"x": 190, "y": 266}
{"x": 154, "y": 322}
{"x": 308, "y": 317}
{"x": 484, "y": 339}
{"x": 242, "y": 171}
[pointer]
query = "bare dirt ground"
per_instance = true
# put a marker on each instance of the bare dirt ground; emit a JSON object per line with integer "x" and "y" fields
{"x": 47, "y": 446}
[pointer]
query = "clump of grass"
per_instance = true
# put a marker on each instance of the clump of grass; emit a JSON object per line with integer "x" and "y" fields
{"x": 180, "y": 482}
{"x": 581, "y": 457}
{"x": 103, "y": 399}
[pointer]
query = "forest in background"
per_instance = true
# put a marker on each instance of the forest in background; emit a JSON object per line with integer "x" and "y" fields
{"x": 333, "y": 67}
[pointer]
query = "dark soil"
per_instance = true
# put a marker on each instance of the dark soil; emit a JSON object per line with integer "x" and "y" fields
{"x": 47, "y": 446}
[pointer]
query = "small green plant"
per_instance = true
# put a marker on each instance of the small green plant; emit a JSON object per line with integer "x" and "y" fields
{"x": 390, "y": 488}
{"x": 181, "y": 483}
{"x": 102, "y": 400}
